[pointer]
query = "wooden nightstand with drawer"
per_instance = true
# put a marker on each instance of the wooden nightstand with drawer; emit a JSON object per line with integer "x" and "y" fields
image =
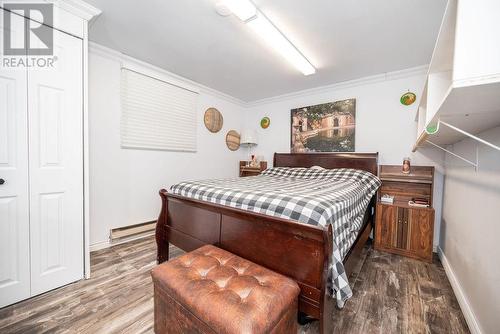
{"x": 252, "y": 171}
{"x": 401, "y": 228}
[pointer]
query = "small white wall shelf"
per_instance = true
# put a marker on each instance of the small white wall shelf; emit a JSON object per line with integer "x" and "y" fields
{"x": 463, "y": 83}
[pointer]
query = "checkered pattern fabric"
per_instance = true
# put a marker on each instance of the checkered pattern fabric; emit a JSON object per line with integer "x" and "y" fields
{"x": 317, "y": 197}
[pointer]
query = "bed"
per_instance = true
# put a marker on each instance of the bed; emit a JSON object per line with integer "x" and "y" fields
{"x": 290, "y": 245}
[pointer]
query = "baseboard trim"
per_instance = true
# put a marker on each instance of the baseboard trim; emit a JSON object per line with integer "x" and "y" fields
{"x": 108, "y": 243}
{"x": 466, "y": 308}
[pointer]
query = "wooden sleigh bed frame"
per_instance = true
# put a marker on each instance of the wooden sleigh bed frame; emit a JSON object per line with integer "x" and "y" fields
{"x": 302, "y": 252}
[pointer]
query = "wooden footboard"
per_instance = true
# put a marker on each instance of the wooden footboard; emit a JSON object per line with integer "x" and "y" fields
{"x": 296, "y": 250}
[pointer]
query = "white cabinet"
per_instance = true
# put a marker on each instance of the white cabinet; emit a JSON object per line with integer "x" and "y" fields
{"x": 42, "y": 166}
{"x": 477, "y": 47}
{"x": 463, "y": 83}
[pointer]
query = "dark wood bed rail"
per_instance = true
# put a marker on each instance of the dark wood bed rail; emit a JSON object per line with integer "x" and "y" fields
{"x": 300, "y": 251}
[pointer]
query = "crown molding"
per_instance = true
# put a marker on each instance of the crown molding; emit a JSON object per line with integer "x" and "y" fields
{"x": 78, "y": 8}
{"x": 192, "y": 85}
{"x": 413, "y": 71}
{"x": 177, "y": 79}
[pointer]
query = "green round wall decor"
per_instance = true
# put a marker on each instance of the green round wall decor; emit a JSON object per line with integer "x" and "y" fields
{"x": 408, "y": 98}
{"x": 265, "y": 122}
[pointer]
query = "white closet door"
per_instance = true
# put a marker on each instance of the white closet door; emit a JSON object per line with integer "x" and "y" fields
{"x": 14, "y": 205}
{"x": 56, "y": 167}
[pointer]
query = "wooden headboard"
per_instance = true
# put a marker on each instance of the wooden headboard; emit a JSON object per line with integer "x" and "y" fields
{"x": 363, "y": 161}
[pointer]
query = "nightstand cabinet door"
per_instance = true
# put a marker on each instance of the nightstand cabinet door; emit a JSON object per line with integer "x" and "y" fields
{"x": 385, "y": 226}
{"x": 404, "y": 231}
{"x": 422, "y": 232}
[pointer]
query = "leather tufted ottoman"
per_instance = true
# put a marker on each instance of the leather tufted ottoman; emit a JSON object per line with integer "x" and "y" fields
{"x": 211, "y": 290}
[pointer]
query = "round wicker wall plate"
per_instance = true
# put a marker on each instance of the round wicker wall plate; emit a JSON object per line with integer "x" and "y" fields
{"x": 213, "y": 120}
{"x": 233, "y": 140}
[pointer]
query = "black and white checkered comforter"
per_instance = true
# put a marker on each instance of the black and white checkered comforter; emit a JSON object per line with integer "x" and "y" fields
{"x": 318, "y": 197}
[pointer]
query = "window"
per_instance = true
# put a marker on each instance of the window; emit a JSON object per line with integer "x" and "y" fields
{"x": 156, "y": 114}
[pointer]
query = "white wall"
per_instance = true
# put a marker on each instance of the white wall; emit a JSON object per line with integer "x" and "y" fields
{"x": 470, "y": 231}
{"x": 383, "y": 124}
{"x": 124, "y": 183}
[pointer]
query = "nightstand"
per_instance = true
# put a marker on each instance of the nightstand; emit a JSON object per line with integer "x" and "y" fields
{"x": 251, "y": 171}
{"x": 399, "y": 227}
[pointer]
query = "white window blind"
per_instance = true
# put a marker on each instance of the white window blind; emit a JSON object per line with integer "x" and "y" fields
{"x": 156, "y": 115}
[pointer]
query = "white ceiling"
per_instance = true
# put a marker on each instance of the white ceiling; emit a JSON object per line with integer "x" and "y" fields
{"x": 344, "y": 40}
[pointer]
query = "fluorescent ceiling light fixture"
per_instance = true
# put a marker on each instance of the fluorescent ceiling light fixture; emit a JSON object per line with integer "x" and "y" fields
{"x": 275, "y": 39}
{"x": 244, "y": 9}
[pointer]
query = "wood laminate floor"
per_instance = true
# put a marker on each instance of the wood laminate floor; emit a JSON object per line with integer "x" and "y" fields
{"x": 392, "y": 294}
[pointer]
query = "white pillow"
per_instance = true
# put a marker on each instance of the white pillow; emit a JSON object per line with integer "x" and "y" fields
{"x": 317, "y": 168}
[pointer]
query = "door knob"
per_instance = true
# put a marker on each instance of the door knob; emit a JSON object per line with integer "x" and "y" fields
{"x": 2, "y": 181}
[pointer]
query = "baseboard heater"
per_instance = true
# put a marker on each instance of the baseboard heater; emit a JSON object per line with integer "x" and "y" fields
{"x": 132, "y": 230}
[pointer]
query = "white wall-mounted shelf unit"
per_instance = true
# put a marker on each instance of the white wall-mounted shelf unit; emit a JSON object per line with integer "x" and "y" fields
{"x": 463, "y": 83}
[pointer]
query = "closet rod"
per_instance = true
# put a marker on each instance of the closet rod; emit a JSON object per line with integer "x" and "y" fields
{"x": 470, "y": 135}
{"x": 475, "y": 164}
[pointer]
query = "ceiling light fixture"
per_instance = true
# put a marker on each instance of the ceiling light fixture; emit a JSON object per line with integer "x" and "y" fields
{"x": 243, "y": 9}
{"x": 246, "y": 11}
{"x": 275, "y": 39}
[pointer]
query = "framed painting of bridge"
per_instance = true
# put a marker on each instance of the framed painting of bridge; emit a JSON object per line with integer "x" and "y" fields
{"x": 327, "y": 127}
